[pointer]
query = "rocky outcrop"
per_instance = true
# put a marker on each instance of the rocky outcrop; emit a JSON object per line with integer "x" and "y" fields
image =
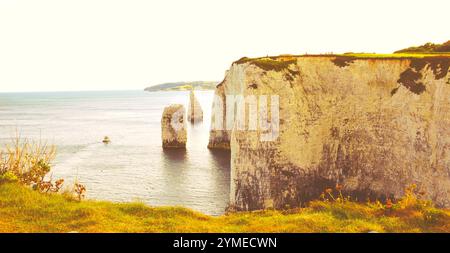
{"x": 195, "y": 112}
{"x": 173, "y": 127}
{"x": 372, "y": 125}
{"x": 219, "y": 136}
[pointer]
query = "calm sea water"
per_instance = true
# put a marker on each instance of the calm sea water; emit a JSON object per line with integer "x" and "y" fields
{"x": 133, "y": 166}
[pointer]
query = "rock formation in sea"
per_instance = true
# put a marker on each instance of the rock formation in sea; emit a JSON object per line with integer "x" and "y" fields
{"x": 219, "y": 136}
{"x": 173, "y": 127}
{"x": 372, "y": 125}
{"x": 195, "y": 112}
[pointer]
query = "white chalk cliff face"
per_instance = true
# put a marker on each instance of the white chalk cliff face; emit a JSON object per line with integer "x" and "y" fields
{"x": 372, "y": 125}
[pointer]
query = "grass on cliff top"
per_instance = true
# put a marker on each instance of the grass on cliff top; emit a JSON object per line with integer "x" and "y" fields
{"x": 288, "y": 58}
{"x": 395, "y": 55}
{"x": 282, "y": 62}
{"x": 25, "y": 210}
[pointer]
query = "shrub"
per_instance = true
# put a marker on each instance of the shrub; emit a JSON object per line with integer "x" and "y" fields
{"x": 80, "y": 191}
{"x": 29, "y": 163}
{"x": 427, "y": 48}
{"x": 8, "y": 176}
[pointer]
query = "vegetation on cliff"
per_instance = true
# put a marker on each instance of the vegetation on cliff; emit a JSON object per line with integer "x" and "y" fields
{"x": 270, "y": 63}
{"x": 25, "y": 210}
{"x": 282, "y": 62}
{"x": 29, "y": 164}
{"x": 428, "y": 48}
{"x": 29, "y": 202}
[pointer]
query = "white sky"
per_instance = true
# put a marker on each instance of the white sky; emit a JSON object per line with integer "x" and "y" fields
{"x": 51, "y": 45}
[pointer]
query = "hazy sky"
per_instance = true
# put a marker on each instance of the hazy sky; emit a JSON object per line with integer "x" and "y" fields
{"x": 130, "y": 44}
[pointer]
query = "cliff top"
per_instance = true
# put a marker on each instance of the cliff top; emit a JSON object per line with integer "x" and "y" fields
{"x": 57, "y": 213}
{"x": 281, "y": 62}
{"x": 287, "y": 57}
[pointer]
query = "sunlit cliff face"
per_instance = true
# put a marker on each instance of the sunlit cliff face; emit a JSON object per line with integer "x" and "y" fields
{"x": 372, "y": 125}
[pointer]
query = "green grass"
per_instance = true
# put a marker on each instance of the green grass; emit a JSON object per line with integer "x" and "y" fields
{"x": 284, "y": 58}
{"x": 395, "y": 55}
{"x": 25, "y": 210}
{"x": 282, "y": 62}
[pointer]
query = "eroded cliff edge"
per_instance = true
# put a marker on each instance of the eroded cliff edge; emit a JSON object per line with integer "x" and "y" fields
{"x": 372, "y": 125}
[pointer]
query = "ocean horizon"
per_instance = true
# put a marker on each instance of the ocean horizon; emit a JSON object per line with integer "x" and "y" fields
{"x": 133, "y": 167}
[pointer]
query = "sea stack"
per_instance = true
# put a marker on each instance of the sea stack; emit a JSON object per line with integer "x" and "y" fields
{"x": 219, "y": 136}
{"x": 173, "y": 127}
{"x": 195, "y": 113}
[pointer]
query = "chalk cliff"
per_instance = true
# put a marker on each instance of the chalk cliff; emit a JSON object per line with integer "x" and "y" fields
{"x": 372, "y": 125}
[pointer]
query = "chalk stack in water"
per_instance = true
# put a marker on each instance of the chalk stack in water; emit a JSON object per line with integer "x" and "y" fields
{"x": 195, "y": 113}
{"x": 173, "y": 127}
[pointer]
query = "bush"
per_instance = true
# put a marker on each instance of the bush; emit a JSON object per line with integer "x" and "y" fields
{"x": 8, "y": 177}
{"x": 427, "y": 48}
{"x": 29, "y": 163}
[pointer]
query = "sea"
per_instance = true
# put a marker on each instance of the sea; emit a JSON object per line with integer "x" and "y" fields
{"x": 133, "y": 166}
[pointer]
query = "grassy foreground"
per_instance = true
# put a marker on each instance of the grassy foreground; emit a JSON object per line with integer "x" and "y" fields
{"x": 25, "y": 210}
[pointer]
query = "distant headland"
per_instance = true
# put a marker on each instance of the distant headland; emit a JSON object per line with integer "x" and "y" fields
{"x": 182, "y": 86}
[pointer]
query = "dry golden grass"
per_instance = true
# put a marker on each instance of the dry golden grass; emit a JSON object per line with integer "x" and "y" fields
{"x": 28, "y": 161}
